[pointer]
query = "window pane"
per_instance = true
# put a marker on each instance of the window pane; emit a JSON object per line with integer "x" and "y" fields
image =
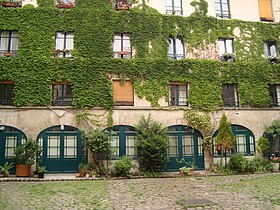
{"x": 59, "y": 42}
{"x": 4, "y": 44}
{"x": 229, "y": 48}
{"x": 130, "y": 146}
{"x": 173, "y": 146}
{"x": 53, "y": 147}
{"x": 168, "y": 3}
{"x": 241, "y": 143}
{"x": 187, "y": 145}
{"x": 177, "y": 3}
{"x": 171, "y": 47}
{"x": 69, "y": 42}
{"x": 179, "y": 48}
{"x": 14, "y": 44}
{"x": 222, "y": 48}
{"x": 115, "y": 146}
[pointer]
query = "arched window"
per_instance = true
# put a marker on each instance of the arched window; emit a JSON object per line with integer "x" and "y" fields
{"x": 245, "y": 140}
{"x": 123, "y": 141}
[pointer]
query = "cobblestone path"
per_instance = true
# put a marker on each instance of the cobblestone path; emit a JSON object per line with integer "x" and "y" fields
{"x": 134, "y": 194}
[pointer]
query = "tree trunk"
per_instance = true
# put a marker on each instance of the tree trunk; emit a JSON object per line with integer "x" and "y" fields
{"x": 209, "y": 163}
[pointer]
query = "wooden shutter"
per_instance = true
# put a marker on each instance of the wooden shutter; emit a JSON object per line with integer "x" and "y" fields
{"x": 265, "y": 8}
{"x": 123, "y": 93}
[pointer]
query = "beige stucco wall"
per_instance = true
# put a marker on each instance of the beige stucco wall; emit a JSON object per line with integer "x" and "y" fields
{"x": 276, "y": 10}
{"x": 245, "y": 10}
{"x": 33, "y": 120}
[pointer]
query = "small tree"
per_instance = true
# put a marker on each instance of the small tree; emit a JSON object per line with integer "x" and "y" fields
{"x": 273, "y": 132}
{"x": 152, "y": 144}
{"x": 263, "y": 146}
{"x": 99, "y": 143}
{"x": 225, "y": 139}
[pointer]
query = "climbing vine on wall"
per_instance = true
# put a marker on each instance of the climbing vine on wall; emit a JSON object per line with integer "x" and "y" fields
{"x": 94, "y": 24}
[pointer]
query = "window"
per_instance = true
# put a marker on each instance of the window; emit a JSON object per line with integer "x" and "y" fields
{"x": 230, "y": 95}
{"x": 245, "y": 140}
{"x": 123, "y": 93}
{"x": 178, "y": 95}
{"x": 6, "y": 93}
{"x": 121, "y": 46}
{"x": 226, "y": 50}
{"x": 176, "y": 48}
{"x": 274, "y": 91}
{"x": 123, "y": 141}
{"x": 62, "y": 94}
{"x": 270, "y": 49}
{"x": 265, "y": 9}
{"x": 64, "y": 44}
{"x": 222, "y": 8}
{"x": 174, "y": 7}
{"x": 8, "y": 43}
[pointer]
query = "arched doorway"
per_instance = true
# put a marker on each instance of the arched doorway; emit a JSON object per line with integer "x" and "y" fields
{"x": 184, "y": 142}
{"x": 123, "y": 141}
{"x": 245, "y": 140}
{"x": 63, "y": 149}
{"x": 10, "y": 139}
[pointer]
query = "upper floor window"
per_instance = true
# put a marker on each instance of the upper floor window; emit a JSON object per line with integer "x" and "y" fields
{"x": 62, "y": 94}
{"x": 123, "y": 93}
{"x": 178, "y": 95}
{"x": 226, "y": 50}
{"x": 230, "y": 95}
{"x": 11, "y": 3}
{"x": 6, "y": 93}
{"x": 274, "y": 91}
{"x": 64, "y": 44}
{"x": 270, "y": 48}
{"x": 121, "y": 46}
{"x": 265, "y": 9}
{"x": 8, "y": 43}
{"x": 222, "y": 8}
{"x": 174, "y": 7}
{"x": 176, "y": 48}
{"x": 63, "y": 4}
{"x": 122, "y": 5}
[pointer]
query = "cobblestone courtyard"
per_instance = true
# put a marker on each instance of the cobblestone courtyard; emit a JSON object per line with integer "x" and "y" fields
{"x": 259, "y": 191}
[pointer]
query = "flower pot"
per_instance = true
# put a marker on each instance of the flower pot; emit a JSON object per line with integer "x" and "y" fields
{"x": 41, "y": 175}
{"x": 5, "y": 174}
{"x": 7, "y": 54}
{"x": 10, "y": 4}
{"x": 191, "y": 172}
{"x": 23, "y": 170}
{"x": 123, "y": 53}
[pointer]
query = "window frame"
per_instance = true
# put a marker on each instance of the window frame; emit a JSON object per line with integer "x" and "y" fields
{"x": 227, "y": 50}
{"x": 175, "y": 100}
{"x": 173, "y": 44}
{"x": 123, "y": 54}
{"x": 64, "y": 51}
{"x": 174, "y": 11}
{"x": 220, "y": 3}
{"x": 274, "y": 89}
{"x": 227, "y": 101}
{"x": 267, "y": 48}
{"x": 62, "y": 102}
{"x": 9, "y": 52}
{"x": 6, "y": 100}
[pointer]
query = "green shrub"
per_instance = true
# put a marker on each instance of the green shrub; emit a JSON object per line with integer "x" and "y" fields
{"x": 238, "y": 163}
{"x": 123, "y": 166}
{"x": 260, "y": 165}
{"x": 221, "y": 169}
{"x": 152, "y": 144}
{"x": 263, "y": 145}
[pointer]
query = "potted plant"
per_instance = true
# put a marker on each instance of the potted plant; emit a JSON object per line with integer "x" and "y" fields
{"x": 25, "y": 156}
{"x": 5, "y": 169}
{"x": 82, "y": 168}
{"x": 228, "y": 57}
{"x": 184, "y": 170}
{"x": 41, "y": 170}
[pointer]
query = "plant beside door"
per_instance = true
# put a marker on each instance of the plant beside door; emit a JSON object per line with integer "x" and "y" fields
{"x": 25, "y": 156}
{"x": 5, "y": 169}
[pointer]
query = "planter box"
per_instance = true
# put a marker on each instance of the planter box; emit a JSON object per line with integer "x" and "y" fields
{"x": 123, "y": 53}
{"x": 123, "y": 6}
{"x": 10, "y": 4}
{"x": 65, "y": 6}
{"x": 8, "y": 54}
{"x": 23, "y": 170}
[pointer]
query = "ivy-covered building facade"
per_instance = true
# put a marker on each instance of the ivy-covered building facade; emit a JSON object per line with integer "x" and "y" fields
{"x": 70, "y": 65}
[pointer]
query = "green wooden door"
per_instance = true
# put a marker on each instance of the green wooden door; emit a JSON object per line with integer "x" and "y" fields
{"x": 10, "y": 138}
{"x": 62, "y": 149}
{"x": 184, "y": 143}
